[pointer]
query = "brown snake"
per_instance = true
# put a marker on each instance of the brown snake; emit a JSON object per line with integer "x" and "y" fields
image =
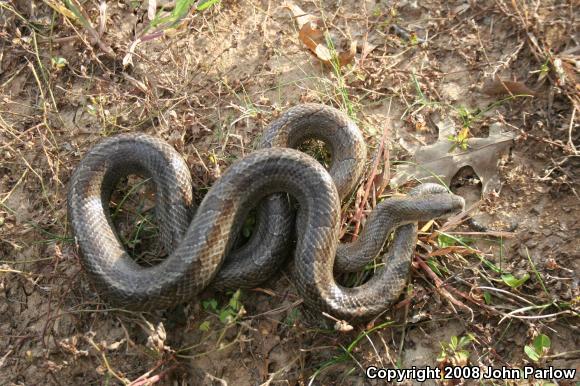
{"x": 200, "y": 241}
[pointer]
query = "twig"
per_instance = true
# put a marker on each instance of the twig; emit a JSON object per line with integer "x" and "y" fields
{"x": 359, "y": 213}
{"x": 214, "y": 378}
{"x": 506, "y": 293}
{"x": 570, "y": 143}
{"x": 278, "y": 372}
{"x": 512, "y": 314}
{"x": 439, "y": 286}
{"x": 145, "y": 379}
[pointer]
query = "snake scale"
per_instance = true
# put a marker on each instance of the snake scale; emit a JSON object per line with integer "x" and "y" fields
{"x": 202, "y": 240}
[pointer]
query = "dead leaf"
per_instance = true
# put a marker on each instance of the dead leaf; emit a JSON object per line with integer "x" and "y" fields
{"x": 300, "y": 16}
{"x": 312, "y": 34}
{"x": 498, "y": 87}
{"x": 367, "y": 48}
{"x": 151, "y": 9}
{"x": 343, "y": 326}
{"x": 115, "y": 346}
{"x": 346, "y": 57}
{"x": 435, "y": 163}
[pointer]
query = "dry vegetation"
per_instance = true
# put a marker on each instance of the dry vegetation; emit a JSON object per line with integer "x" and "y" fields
{"x": 73, "y": 72}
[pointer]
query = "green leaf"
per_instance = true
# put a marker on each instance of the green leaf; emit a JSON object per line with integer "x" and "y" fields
{"x": 489, "y": 264}
{"x": 204, "y": 326}
{"x": 181, "y": 9}
{"x": 203, "y": 5}
{"x": 464, "y": 341}
{"x": 226, "y": 316}
{"x": 248, "y": 226}
{"x": 514, "y": 282}
{"x": 235, "y": 303}
{"x": 292, "y": 317}
{"x": 77, "y": 13}
{"x": 210, "y": 305}
{"x": 487, "y": 297}
{"x": 445, "y": 241}
{"x": 531, "y": 353}
{"x": 58, "y": 62}
{"x": 463, "y": 134}
{"x": 454, "y": 342}
{"x": 541, "y": 343}
{"x": 462, "y": 356}
{"x": 91, "y": 109}
{"x": 434, "y": 265}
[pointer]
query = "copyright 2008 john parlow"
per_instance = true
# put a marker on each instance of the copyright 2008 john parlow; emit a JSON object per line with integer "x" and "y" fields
{"x": 421, "y": 374}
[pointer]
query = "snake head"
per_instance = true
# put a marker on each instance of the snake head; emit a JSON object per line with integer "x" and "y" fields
{"x": 447, "y": 204}
{"x": 440, "y": 202}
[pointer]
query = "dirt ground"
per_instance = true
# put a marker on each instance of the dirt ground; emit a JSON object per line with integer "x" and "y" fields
{"x": 210, "y": 84}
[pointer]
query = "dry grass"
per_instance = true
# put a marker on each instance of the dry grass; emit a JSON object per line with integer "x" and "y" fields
{"x": 209, "y": 82}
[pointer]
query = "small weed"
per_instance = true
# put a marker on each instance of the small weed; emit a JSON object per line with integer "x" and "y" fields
{"x": 437, "y": 267}
{"x": 181, "y": 9}
{"x": 227, "y": 314}
{"x": 444, "y": 240}
{"x": 539, "y": 348}
{"x": 514, "y": 282}
{"x": 58, "y": 62}
{"x": 421, "y": 102}
{"x": 537, "y": 273}
{"x": 318, "y": 150}
{"x": 543, "y": 71}
{"x": 487, "y": 297}
{"x": 293, "y": 317}
{"x": 459, "y": 140}
{"x": 345, "y": 102}
{"x": 347, "y": 351}
{"x": 454, "y": 351}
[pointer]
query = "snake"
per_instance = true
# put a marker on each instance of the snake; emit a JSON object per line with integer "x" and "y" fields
{"x": 298, "y": 212}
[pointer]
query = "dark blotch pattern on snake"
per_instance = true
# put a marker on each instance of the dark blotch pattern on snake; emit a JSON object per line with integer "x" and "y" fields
{"x": 200, "y": 240}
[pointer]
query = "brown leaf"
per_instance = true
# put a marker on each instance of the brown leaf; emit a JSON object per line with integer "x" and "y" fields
{"x": 300, "y": 16}
{"x": 346, "y": 57}
{"x": 312, "y": 35}
{"x": 432, "y": 163}
{"x": 498, "y": 87}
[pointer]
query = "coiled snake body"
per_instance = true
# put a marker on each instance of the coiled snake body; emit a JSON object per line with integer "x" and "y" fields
{"x": 201, "y": 240}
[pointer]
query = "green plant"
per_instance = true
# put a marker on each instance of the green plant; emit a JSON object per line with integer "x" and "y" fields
{"x": 293, "y": 317}
{"x": 347, "y": 351}
{"x": 421, "y": 102}
{"x": 345, "y": 100}
{"x": 543, "y": 71}
{"x": 538, "y": 276}
{"x": 437, "y": 267}
{"x": 459, "y": 140}
{"x": 227, "y": 314}
{"x": 444, "y": 240}
{"x": 514, "y": 282}
{"x": 454, "y": 351}
{"x": 58, "y": 62}
{"x": 180, "y": 10}
{"x": 539, "y": 348}
{"x": 487, "y": 297}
